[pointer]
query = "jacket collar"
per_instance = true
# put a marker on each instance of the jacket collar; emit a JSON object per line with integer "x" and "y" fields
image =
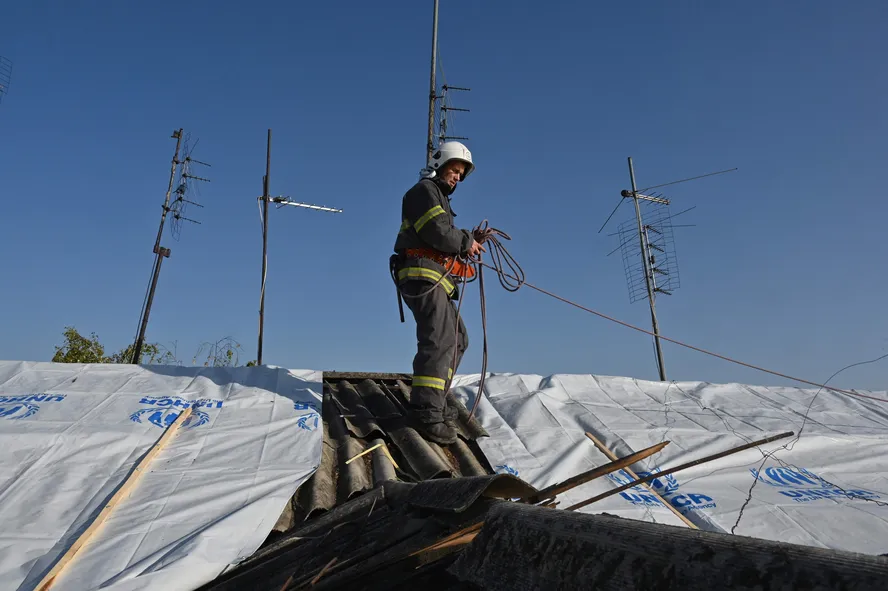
{"x": 445, "y": 188}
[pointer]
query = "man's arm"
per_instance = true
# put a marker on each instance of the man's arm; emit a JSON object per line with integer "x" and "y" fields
{"x": 432, "y": 224}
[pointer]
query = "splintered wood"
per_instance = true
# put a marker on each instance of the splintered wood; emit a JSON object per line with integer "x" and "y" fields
{"x": 634, "y": 476}
{"x": 678, "y": 468}
{"x": 457, "y": 538}
{"x": 550, "y": 492}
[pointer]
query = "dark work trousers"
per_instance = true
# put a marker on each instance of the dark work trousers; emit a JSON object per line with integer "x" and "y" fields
{"x": 436, "y": 338}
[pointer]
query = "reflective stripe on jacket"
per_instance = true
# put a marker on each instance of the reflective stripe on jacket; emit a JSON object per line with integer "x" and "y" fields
{"x": 427, "y": 222}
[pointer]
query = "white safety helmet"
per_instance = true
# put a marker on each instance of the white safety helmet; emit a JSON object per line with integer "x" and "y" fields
{"x": 452, "y": 151}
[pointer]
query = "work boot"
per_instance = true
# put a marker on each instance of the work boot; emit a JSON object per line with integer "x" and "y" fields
{"x": 451, "y": 414}
{"x": 440, "y": 433}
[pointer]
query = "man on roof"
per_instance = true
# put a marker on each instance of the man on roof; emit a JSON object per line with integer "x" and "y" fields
{"x": 425, "y": 264}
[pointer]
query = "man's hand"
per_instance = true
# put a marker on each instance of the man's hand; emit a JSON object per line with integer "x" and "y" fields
{"x": 475, "y": 249}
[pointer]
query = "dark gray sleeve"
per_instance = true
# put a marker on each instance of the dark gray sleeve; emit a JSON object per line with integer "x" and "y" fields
{"x": 432, "y": 223}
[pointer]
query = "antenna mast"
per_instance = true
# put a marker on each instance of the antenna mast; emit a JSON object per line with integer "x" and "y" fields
{"x": 434, "y": 96}
{"x": 265, "y": 199}
{"x": 653, "y": 238}
{"x": 648, "y": 273}
{"x": 160, "y": 252}
{"x": 433, "y": 88}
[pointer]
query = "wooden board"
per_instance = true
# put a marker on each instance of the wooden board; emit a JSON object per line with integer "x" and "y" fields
{"x": 633, "y": 475}
{"x": 121, "y": 494}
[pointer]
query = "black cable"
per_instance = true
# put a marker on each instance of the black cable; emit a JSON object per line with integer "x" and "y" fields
{"x": 788, "y": 446}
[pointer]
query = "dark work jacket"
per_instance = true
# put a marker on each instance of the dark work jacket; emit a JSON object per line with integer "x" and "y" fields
{"x": 427, "y": 222}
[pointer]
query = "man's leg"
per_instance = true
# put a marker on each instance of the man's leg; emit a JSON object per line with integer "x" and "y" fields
{"x": 436, "y": 339}
{"x": 450, "y": 412}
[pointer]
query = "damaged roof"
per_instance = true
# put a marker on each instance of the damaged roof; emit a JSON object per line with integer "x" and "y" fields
{"x": 368, "y": 411}
{"x": 411, "y": 514}
{"x": 463, "y": 533}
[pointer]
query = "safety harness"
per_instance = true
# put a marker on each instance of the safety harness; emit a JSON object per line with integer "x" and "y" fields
{"x": 469, "y": 269}
{"x": 454, "y": 266}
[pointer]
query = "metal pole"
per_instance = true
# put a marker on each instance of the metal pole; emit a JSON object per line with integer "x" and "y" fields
{"x": 137, "y": 351}
{"x": 647, "y": 274}
{"x": 265, "y": 198}
{"x": 159, "y": 253}
{"x": 433, "y": 91}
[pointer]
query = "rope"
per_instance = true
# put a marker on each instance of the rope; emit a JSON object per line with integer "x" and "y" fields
{"x": 511, "y": 276}
{"x": 511, "y": 281}
{"x": 518, "y": 279}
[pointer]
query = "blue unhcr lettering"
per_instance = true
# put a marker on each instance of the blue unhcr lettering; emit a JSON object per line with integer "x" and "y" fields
{"x": 507, "y": 469}
{"x": 666, "y": 486}
{"x": 806, "y": 486}
{"x": 308, "y": 422}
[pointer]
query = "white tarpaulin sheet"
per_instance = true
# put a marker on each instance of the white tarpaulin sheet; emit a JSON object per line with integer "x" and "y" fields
{"x": 70, "y": 434}
{"x": 828, "y": 488}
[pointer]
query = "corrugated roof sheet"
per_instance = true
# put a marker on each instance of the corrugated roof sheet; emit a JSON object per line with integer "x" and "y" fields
{"x": 361, "y": 411}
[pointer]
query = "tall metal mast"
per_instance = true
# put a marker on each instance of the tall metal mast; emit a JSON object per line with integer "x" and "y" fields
{"x": 280, "y": 200}
{"x": 159, "y": 254}
{"x": 433, "y": 88}
{"x": 648, "y": 274}
{"x": 176, "y": 208}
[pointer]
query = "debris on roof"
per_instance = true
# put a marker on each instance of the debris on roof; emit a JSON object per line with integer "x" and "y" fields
{"x": 825, "y": 485}
{"x": 380, "y": 539}
{"x": 366, "y": 413}
{"x": 463, "y": 534}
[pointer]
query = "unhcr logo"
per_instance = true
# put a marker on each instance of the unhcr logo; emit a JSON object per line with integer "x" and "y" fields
{"x": 666, "y": 486}
{"x": 803, "y": 486}
{"x": 506, "y": 469}
{"x": 22, "y": 407}
{"x": 163, "y": 410}
{"x": 310, "y": 421}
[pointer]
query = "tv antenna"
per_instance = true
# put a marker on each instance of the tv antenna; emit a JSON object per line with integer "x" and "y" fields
{"x": 280, "y": 200}
{"x": 445, "y": 107}
{"x": 648, "y": 248}
{"x": 182, "y": 180}
{"x": 5, "y": 75}
{"x": 184, "y": 187}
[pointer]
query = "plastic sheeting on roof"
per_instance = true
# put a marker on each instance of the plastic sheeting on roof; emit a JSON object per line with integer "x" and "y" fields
{"x": 70, "y": 434}
{"x": 827, "y": 489}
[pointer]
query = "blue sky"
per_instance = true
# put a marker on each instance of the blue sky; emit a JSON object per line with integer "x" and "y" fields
{"x": 785, "y": 266}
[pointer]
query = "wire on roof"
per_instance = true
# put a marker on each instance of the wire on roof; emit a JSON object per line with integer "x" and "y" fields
{"x": 502, "y": 273}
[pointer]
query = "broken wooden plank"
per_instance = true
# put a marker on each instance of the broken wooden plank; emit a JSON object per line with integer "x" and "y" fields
{"x": 444, "y": 542}
{"x": 634, "y": 476}
{"x": 551, "y": 492}
{"x": 677, "y": 468}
